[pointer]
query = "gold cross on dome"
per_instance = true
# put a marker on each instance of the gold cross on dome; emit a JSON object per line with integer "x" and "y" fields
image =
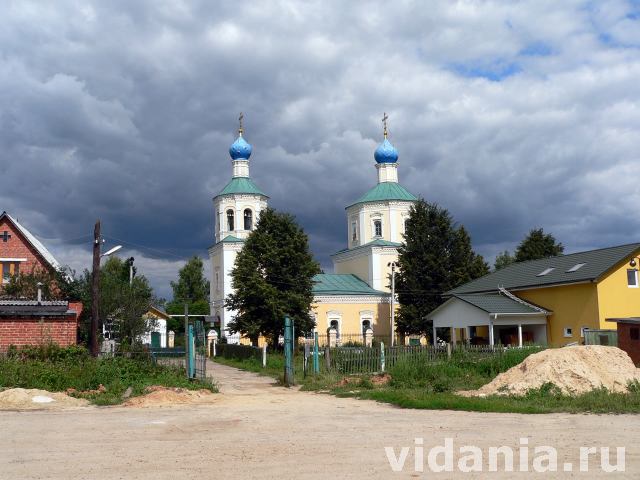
{"x": 385, "y": 117}
{"x": 240, "y": 129}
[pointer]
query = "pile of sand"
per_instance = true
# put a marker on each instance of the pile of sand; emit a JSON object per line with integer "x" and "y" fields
{"x": 157, "y": 396}
{"x": 574, "y": 370}
{"x": 33, "y": 399}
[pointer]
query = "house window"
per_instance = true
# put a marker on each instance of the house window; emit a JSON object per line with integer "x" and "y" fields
{"x": 9, "y": 269}
{"x": 354, "y": 231}
{"x": 634, "y": 333}
{"x": 568, "y": 332}
{"x": 377, "y": 228}
{"x": 632, "y": 278}
{"x": 248, "y": 219}
{"x": 230, "y": 223}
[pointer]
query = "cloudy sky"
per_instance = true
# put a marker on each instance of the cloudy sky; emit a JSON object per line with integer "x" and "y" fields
{"x": 512, "y": 115}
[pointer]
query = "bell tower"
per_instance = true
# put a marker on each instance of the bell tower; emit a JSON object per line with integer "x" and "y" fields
{"x": 237, "y": 210}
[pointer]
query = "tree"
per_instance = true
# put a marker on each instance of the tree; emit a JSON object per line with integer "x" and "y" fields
{"x": 122, "y": 305}
{"x": 58, "y": 284}
{"x": 503, "y": 259}
{"x": 537, "y": 245}
{"x": 273, "y": 277}
{"x": 191, "y": 288}
{"x": 435, "y": 257}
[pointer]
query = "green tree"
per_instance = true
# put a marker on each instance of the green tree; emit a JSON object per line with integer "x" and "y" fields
{"x": 59, "y": 284}
{"x": 122, "y": 305}
{"x": 503, "y": 259}
{"x": 273, "y": 277}
{"x": 537, "y": 245}
{"x": 435, "y": 257}
{"x": 191, "y": 288}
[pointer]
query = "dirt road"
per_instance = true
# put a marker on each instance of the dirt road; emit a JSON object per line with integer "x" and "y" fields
{"x": 257, "y": 430}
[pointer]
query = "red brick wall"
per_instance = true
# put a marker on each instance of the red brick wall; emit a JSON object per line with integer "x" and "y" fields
{"x": 27, "y": 331}
{"x": 18, "y": 247}
{"x": 632, "y": 347}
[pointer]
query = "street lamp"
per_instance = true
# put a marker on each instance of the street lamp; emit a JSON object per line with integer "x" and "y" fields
{"x": 111, "y": 251}
{"x": 393, "y": 266}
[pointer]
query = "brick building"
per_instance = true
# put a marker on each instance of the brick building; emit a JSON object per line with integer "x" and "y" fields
{"x": 629, "y": 336}
{"x": 20, "y": 250}
{"x": 29, "y": 321}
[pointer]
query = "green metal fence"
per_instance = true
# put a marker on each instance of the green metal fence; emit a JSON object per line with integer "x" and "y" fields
{"x": 353, "y": 360}
{"x": 238, "y": 352}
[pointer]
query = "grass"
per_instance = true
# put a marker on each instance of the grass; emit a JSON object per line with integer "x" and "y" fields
{"x": 422, "y": 385}
{"x": 74, "y": 368}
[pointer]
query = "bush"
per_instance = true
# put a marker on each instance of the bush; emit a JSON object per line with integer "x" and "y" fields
{"x": 61, "y": 369}
{"x": 48, "y": 352}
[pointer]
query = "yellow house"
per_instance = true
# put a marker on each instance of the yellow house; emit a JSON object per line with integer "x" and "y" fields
{"x": 550, "y": 301}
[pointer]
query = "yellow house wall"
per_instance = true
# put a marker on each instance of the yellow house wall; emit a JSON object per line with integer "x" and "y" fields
{"x": 358, "y": 266}
{"x": 616, "y": 298}
{"x": 350, "y": 317}
{"x": 573, "y": 306}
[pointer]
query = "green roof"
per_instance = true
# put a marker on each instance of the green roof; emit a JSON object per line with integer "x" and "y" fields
{"x": 563, "y": 269}
{"x": 386, "y": 191}
{"x": 496, "y": 303}
{"x": 375, "y": 243}
{"x": 241, "y": 185}
{"x": 342, "y": 284}
{"x": 231, "y": 239}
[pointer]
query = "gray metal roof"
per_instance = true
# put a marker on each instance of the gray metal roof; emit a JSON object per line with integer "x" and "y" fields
{"x": 497, "y": 303}
{"x": 524, "y": 275}
{"x": 28, "y": 308}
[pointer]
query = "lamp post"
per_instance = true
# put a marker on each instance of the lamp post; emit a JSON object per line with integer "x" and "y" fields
{"x": 95, "y": 286}
{"x": 393, "y": 266}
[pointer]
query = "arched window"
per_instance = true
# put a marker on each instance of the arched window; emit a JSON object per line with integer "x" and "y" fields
{"x": 366, "y": 325}
{"x": 377, "y": 228}
{"x": 230, "y": 223}
{"x": 248, "y": 219}
{"x": 335, "y": 324}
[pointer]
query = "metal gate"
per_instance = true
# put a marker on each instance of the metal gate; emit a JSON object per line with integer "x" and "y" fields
{"x": 196, "y": 349}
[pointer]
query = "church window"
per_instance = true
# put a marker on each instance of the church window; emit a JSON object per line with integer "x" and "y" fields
{"x": 354, "y": 231}
{"x": 377, "y": 227}
{"x": 230, "y": 223}
{"x": 406, "y": 224}
{"x": 248, "y": 219}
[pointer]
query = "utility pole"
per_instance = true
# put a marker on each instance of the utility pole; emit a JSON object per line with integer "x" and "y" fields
{"x": 95, "y": 291}
{"x": 393, "y": 266}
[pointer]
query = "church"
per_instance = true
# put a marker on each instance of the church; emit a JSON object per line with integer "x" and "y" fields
{"x": 356, "y": 297}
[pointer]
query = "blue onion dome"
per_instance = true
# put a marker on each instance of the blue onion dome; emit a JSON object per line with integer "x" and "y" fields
{"x": 240, "y": 149}
{"x": 386, "y": 153}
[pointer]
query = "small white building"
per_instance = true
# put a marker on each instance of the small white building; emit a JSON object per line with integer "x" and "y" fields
{"x": 157, "y": 336}
{"x": 502, "y": 317}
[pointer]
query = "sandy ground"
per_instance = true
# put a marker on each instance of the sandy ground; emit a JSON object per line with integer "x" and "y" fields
{"x": 257, "y": 430}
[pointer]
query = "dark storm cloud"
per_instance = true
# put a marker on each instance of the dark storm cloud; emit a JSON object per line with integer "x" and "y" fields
{"x": 510, "y": 115}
